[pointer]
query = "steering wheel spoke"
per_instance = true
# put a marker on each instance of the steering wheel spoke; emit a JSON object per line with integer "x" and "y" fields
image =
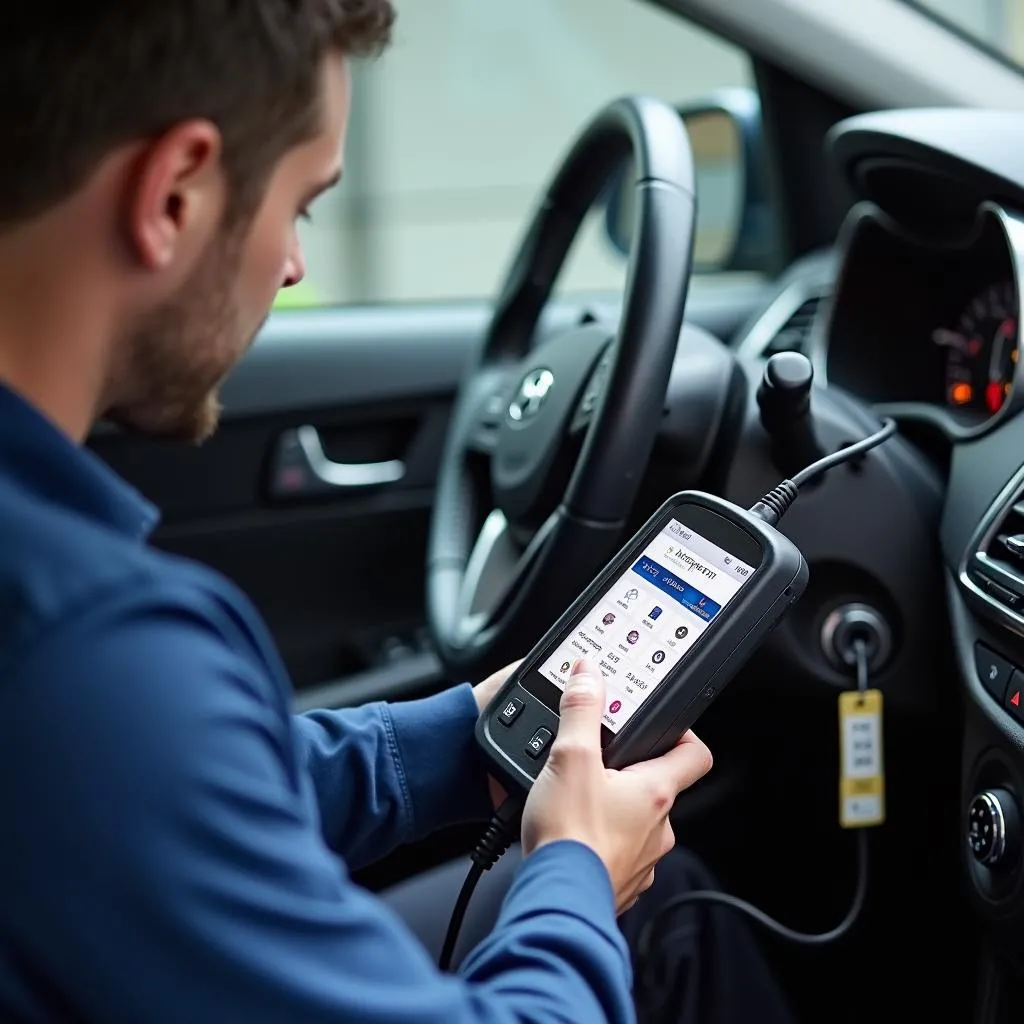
{"x": 497, "y": 564}
{"x": 491, "y": 569}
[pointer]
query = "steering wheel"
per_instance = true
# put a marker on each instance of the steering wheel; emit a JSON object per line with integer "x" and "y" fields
{"x": 548, "y": 443}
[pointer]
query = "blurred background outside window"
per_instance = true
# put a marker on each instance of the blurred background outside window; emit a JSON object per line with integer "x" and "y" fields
{"x": 454, "y": 132}
{"x": 998, "y": 25}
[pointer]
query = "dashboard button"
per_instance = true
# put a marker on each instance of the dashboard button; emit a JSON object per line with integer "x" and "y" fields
{"x": 1014, "y": 700}
{"x": 993, "y": 671}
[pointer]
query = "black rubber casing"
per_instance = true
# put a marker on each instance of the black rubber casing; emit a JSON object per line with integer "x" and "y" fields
{"x": 689, "y": 688}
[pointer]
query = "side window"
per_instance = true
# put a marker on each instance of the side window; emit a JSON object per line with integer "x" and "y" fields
{"x": 455, "y": 132}
{"x": 996, "y": 24}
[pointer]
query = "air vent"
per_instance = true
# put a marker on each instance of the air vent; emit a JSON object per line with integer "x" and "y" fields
{"x": 795, "y": 333}
{"x": 787, "y": 323}
{"x": 995, "y": 569}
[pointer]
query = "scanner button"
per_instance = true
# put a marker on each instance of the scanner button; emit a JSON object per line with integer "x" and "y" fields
{"x": 510, "y": 711}
{"x": 708, "y": 693}
{"x": 539, "y": 743}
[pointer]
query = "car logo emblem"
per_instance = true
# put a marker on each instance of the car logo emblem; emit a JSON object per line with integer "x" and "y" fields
{"x": 532, "y": 394}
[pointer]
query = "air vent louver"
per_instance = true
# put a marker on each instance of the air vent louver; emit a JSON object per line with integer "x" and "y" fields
{"x": 795, "y": 333}
{"x": 996, "y": 568}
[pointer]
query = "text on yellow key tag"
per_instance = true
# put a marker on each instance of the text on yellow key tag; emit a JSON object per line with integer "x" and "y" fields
{"x": 861, "y": 774}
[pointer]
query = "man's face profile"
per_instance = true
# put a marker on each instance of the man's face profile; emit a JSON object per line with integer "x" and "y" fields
{"x": 174, "y": 357}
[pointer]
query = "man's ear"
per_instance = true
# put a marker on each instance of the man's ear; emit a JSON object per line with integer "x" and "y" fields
{"x": 178, "y": 195}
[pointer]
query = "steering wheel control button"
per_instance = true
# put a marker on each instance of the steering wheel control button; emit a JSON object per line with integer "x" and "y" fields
{"x": 593, "y": 393}
{"x": 510, "y": 711}
{"x": 993, "y": 828}
{"x": 539, "y": 743}
{"x": 993, "y": 671}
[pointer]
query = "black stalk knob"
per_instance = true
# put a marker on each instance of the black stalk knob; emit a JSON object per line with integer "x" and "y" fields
{"x": 784, "y": 399}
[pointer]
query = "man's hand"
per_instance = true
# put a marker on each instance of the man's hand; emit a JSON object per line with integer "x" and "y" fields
{"x": 621, "y": 815}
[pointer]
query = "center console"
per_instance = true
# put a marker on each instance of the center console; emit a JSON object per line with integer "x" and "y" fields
{"x": 983, "y": 542}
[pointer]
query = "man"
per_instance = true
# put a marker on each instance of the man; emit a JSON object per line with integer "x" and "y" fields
{"x": 176, "y": 845}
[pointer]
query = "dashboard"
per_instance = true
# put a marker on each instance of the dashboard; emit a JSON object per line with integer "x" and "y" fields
{"x": 921, "y": 298}
{"x": 916, "y": 322}
{"x": 918, "y": 316}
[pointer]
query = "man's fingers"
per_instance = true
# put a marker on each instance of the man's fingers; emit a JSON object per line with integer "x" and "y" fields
{"x": 579, "y": 728}
{"x": 688, "y": 761}
{"x": 502, "y": 674}
{"x": 486, "y": 691}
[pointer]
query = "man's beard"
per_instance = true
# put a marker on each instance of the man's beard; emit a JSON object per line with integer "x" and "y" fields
{"x": 177, "y": 358}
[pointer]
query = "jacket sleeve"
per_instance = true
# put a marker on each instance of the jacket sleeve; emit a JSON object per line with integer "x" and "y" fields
{"x": 386, "y": 774}
{"x": 172, "y": 866}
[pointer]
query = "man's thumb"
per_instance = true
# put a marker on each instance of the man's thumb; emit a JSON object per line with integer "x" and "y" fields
{"x": 582, "y": 705}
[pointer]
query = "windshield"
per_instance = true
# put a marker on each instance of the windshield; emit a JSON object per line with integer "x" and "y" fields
{"x": 995, "y": 25}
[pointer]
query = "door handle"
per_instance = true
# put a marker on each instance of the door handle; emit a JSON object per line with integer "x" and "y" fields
{"x": 301, "y": 468}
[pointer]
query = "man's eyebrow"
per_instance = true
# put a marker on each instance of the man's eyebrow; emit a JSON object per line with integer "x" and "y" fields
{"x": 319, "y": 190}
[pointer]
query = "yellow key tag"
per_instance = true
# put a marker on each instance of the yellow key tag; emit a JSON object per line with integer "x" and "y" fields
{"x": 862, "y": 777}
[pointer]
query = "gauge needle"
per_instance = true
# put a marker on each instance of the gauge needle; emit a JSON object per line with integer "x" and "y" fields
{"x": 995, "y": 392}
{"x": 1004, "y": 334}
{"x": 950, "y": 339}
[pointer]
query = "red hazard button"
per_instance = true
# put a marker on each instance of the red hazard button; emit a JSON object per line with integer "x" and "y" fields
{"x": 1014, "y": 700}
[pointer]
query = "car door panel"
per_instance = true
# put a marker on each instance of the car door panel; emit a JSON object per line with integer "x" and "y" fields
{"x": 323, "y": 569}
{"x": 338, "y": 571}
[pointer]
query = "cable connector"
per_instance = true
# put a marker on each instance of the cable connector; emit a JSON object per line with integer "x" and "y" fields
{"x": 500, "y": 834}
{"x": 494, "y": 843}
{"x": 775, "y": 504}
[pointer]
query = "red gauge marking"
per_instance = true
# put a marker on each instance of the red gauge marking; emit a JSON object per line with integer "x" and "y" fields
{"x": 994, "y": 396}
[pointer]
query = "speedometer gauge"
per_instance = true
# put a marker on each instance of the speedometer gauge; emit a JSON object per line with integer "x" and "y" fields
{"x": 981, "y": 352}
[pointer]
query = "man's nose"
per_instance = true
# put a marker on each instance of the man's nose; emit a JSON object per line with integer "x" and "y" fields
{"x": 295, "y": 268}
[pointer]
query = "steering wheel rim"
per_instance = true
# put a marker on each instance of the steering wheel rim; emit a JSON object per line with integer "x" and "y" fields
{"x": 499, "y": 576}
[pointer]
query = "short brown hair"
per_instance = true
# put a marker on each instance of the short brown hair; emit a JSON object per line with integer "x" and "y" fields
{"x": 79, "y": 79}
